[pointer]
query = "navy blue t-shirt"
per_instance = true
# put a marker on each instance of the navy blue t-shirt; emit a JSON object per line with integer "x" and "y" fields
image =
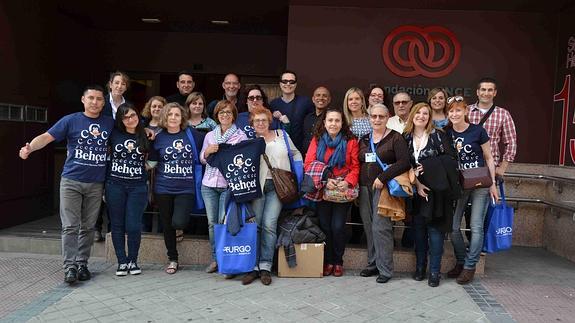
{"x": 468, "y": 145}
{"x": 87, "y": 146}
{"x": 296, "y": 110}
{"x": 240, "y": 166}
{"x": 175, "y": 157}
{"x": 127, "y": 160}
{"x": 243, "y": 123}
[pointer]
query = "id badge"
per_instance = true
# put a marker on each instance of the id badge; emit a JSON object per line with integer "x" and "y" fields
{"x": 370, "y": 157}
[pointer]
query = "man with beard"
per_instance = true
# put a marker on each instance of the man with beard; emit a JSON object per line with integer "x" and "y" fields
{"x": 231, "y": 86}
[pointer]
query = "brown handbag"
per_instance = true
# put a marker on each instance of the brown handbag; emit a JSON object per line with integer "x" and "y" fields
{"x": 285, "y": 183}
{"x": 475, "y": 178}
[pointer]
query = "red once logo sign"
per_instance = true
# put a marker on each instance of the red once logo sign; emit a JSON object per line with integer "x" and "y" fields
{"x": 410, "y": 51}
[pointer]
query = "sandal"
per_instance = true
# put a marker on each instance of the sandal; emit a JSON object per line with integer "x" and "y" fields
{"x": 179, "y": 235}
{"x": 172, "y": 267}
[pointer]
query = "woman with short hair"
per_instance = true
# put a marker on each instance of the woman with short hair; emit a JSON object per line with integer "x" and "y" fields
{"x": 214, "y": 185}
{"x": 472, "y": 145}
{"x": 268, "y": 207}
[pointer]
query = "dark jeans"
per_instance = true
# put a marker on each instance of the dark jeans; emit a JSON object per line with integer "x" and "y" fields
{"x": 126, "y": 205}
{"x": 175, "y": 214}
{"x": 332, "y": 218}
{"x": 427, "y": 239}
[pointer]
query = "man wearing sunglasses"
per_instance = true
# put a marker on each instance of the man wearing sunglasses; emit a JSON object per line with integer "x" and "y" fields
{"x": 295, "y": 107}
{"x": 499, "y": 124}
{"x": 401, "y": 107}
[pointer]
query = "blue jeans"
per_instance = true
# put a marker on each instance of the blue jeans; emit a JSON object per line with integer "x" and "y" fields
{"x": 479, "y": 199}
{"x": 267, "y": 209}
{"x": 215, "y": 201}
{"x": 126, "y": 205}
{"x": 427, "y": 239}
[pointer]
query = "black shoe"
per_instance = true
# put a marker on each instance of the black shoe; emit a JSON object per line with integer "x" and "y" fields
{"x": 134, "y": 269}
{"x": 419, "y": 274}
{"x": 71, "y": 275}
{"x": 84, "y": 273}
{"x": 122, "y": 270}
{"x": 433, "y": 280}
{"x": 382, "y": 279}
{"x": 368, "y": 272}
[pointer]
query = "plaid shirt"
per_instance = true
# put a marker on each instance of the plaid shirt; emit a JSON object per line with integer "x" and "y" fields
{"x": 500, "y": 127}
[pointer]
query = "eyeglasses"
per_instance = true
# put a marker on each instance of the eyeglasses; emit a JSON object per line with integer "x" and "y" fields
{"x": 401, "y": 102}
{"x": 261, "y": 121}
{"x": 255, "y": 98}
{"x": 225, "y": 113}
{"x": 292, "y": 82}
{"x": 454, "y": 99}
{"x": 130, "y": 116}
{"x": 378, "y": 116}
{"x": 231, "y": 83}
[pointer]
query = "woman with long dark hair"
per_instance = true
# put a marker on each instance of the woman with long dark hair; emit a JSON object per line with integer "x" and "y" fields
{"x": 335, "y": 145}
{"x": 126, "y": 189}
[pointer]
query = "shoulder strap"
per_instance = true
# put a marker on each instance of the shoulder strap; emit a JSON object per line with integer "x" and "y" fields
{"x": 487, "y": 115}
{"x": 267, "y": 161}
{"x": 383, "y": 165}
{"x": 290, "y": 155}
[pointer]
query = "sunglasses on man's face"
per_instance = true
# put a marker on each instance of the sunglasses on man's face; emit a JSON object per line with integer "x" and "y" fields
{"x": 292, "y": 82}
{"x": 452, "y": 99}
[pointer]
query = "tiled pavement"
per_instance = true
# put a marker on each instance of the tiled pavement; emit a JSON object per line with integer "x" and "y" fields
{"x": 192, "y": 295}
{"x": 542, "y": 292}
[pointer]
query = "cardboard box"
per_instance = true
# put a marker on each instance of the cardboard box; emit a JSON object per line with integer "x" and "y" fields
{"x": 309, "y": 257}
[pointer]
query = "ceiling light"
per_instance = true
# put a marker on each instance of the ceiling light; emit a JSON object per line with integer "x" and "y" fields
{"x": 220, "y": 22}
{"x": 151, "y": 20}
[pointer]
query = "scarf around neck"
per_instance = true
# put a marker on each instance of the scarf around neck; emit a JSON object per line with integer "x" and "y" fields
{"x": 337, "y": 159}
{"x": 220, "y": 139}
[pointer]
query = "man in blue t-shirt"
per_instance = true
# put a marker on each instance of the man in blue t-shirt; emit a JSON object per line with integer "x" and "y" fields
{"x": 83, "y": 176}
{"x": 295, "y": 107}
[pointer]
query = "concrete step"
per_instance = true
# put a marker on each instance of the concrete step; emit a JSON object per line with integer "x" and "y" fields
{"x": 43, "y": 237}
{"x": 196, "y": 251}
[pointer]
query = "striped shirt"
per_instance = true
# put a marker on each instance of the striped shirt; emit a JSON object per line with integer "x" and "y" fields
{"x": 500, "y": 128}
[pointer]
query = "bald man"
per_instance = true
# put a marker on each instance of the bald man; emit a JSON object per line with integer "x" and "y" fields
{"x": 321, "y": 99}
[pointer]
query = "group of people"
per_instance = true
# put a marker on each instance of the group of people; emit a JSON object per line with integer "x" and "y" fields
{"x": 210, "y": 155}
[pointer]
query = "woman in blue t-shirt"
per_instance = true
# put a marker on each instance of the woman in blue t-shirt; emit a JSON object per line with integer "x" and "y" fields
{"x": 472, "y": 145}
{"x": 173, "y": 156}
{"x": 126, "y": 189}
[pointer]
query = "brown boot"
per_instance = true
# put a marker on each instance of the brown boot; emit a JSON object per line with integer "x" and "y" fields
{"x": 454, "y": 273}
{"x": 249, "y": 278}
{"x": 466, "y": 276}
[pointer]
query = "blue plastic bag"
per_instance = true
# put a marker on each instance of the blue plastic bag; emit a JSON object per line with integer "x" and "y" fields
{"x": 499, "y": 232}
{"x": 236, "y": 254}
